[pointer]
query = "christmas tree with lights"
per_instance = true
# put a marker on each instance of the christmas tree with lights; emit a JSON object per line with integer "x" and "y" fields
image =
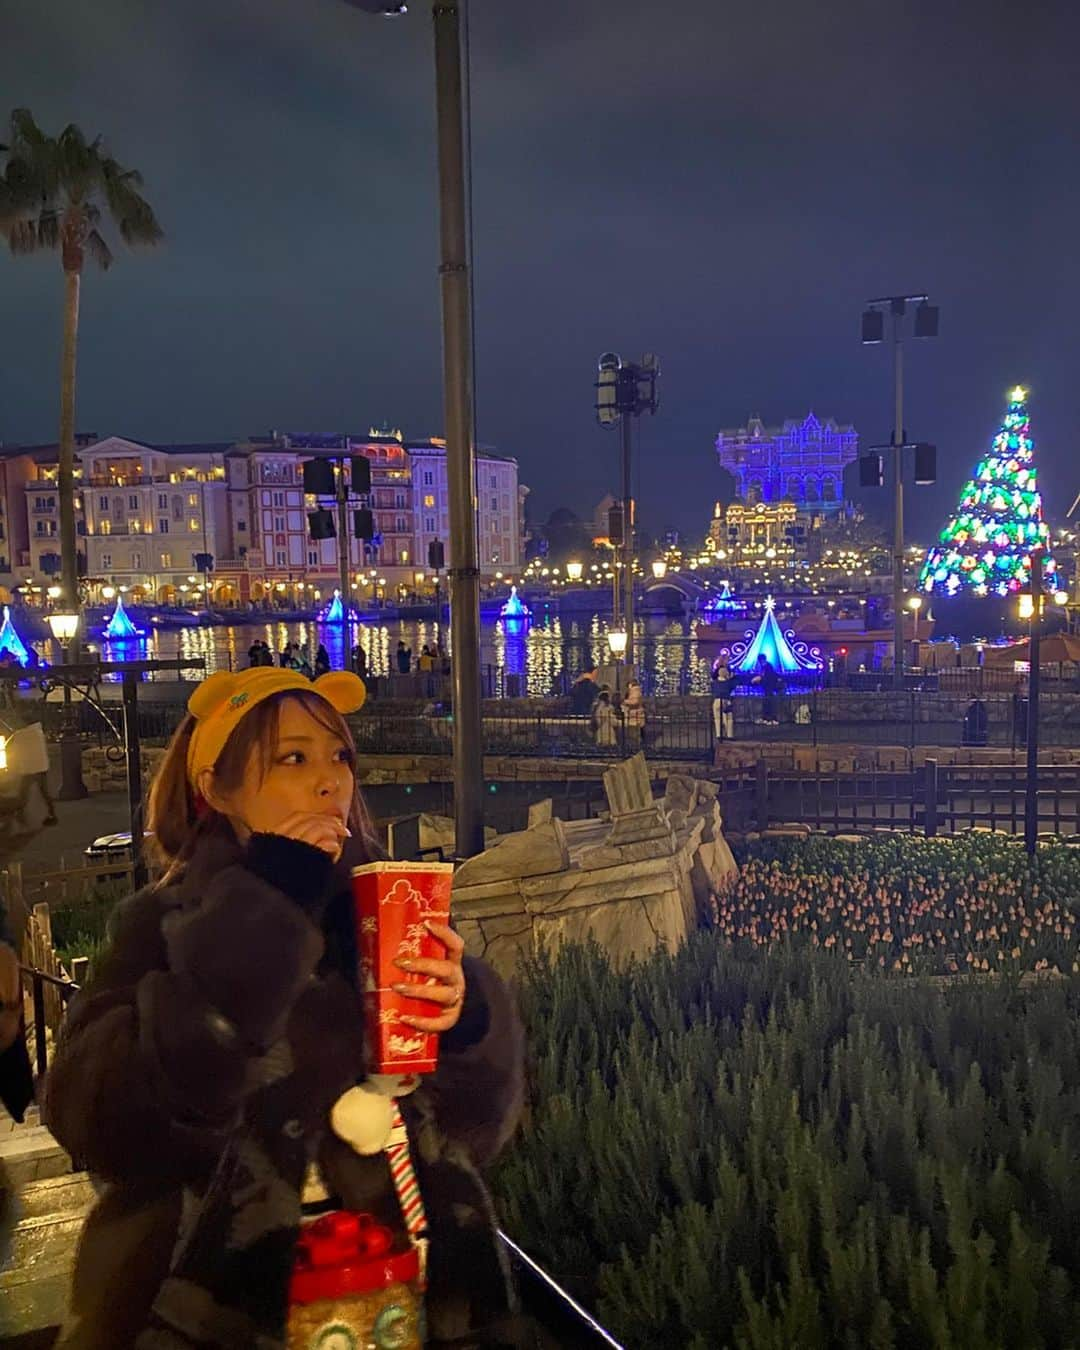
{"x": 985, "y": 549}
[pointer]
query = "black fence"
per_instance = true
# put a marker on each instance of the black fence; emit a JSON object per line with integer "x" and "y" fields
{"x": 931, "y": 799}
{"x": 913, "y": 717}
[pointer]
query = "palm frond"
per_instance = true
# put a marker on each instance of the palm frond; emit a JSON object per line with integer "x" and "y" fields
{"x": 133, "y": 214}
{"x": 99, "y": 250}
{"x": 48, "y": 229}
{"x": 22, "y": 236}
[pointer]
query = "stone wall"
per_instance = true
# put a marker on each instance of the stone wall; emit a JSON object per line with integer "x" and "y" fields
{"x": 645, "y": 875}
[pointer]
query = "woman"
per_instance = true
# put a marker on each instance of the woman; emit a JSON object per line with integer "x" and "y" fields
{"x": 198, "y": 1073}
{"x": 723, "y": 710}
{"x": 605, "y": 719}
{"x": 633, "y": 711}
{"x": 322, "y": 661}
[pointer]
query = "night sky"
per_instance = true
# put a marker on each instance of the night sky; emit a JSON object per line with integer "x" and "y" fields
{"x": 722, "y": 183}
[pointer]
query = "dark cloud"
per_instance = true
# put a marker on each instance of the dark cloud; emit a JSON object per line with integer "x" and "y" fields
{"x": 721, "y": 183}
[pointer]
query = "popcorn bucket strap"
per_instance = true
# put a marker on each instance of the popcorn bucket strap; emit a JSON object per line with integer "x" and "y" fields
{"x": 407, "y": 1189}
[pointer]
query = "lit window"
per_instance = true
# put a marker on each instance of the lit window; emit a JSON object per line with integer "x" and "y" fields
{"x": 166, "y": 560}
{"x": 106, "y": 527}
{"x": 193, "y": 499}
{"x": 193, "y": 524}
{"x": 429, "y": 500}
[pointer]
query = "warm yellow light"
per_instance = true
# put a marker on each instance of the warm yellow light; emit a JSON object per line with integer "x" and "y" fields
{"x": 574, "y": 570}
{"x": 914, "y": 601}
{"x": 1027, "y": 605}
{"x": 1061, "y": 597}
{"x": 659, "y": 569}
{"x": 64, "y": 626}
{"x": 616, "y": 640}
{"x": 3, "y": 752}
{"x": 1019, "y": 394}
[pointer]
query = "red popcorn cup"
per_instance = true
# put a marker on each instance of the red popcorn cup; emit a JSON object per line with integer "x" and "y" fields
{"x": 394, "y": 901}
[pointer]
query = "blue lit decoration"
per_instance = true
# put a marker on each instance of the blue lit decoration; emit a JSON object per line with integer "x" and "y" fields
{"x": 724, "y": 602}
{"x": 513, "y": 610}
{"x": 10, "y": 640}
{"x": 119, "y": 628}
{"x": 335, "y": 611}
{"x": 780, "y": 649}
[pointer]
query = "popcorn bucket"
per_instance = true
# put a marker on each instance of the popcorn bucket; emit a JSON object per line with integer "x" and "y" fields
{"x": 393, "y": 902}
{"x": 350, "y": 1290}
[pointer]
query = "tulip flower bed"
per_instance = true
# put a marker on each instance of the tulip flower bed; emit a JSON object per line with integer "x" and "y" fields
{"x": 766, "y": 1145}
{"x": 974, "y": 902}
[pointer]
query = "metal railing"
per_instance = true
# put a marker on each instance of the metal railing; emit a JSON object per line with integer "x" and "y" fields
{"x": 907, "y": 718}
{"x": 930, "y": 799}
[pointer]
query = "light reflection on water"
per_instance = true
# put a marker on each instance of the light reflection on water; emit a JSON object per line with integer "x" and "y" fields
{"x": 538, "y": 652}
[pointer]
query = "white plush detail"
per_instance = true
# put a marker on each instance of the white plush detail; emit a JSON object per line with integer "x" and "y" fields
{"x": 362, "y": 1117}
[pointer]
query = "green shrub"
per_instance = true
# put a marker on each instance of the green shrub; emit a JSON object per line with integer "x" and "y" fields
{"x": 737, "y": 1146}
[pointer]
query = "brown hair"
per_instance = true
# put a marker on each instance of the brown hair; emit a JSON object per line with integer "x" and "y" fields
{"x": 180, "y": 820}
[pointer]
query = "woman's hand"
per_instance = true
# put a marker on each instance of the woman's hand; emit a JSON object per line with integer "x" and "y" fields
{"x": 444, "y": 981}
{"x": 320, "y": 831}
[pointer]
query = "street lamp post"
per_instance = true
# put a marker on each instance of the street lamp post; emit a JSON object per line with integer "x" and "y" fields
{"x": 1031, "y": 606}
{"x": 873, "y": 331}
{"x": 464, "y": 573}
{"x": 64, "y": 626}
{"x": 623, "y": 391}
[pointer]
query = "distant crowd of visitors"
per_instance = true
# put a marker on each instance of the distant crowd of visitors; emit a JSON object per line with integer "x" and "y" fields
{"x": 432, "y": 660}
{"x": 607, "y": 710}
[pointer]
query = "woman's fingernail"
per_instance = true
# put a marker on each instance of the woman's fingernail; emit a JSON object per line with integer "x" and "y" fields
{"x": 404, "y": 963}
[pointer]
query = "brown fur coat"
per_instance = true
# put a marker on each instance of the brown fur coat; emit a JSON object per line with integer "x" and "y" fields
{"x": 247, "y": 962}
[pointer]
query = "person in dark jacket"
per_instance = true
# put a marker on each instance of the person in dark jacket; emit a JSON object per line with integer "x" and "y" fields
{"x": 583, "y": 691}
{"x": 404, "y": 659}
{"x": 201, "y": 1072}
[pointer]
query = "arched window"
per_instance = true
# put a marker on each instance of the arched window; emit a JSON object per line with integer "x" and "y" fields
{"x": 812, "y": 491}
{"x": 795, "y": 489}
{"x": 828, "y": 489}
{"x": 753, "y": 491}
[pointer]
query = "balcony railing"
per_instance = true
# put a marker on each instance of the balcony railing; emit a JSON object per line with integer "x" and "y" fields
{"x": 104, "y": 480}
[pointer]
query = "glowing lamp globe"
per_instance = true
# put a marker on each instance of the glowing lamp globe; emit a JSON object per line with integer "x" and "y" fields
{"x": 64, "y": 626}
{"x": 1027, "y": 605}
{"x": 659, "y": 569}
{"x": 1061, "y": 597}
{"x": 616, "y": 641}
{"x": 574, "y": 570}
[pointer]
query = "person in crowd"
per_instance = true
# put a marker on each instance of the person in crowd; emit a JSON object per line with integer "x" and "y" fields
{"x": 285, "y": 656}
{"x": 404, "y": 659}
{"x": 723, "y": 710}
{"x": 359, "y": 661}
{"x": 212, "y": 1074}
{"x": 605, "y": 719}
{"x": 633, "y": 713}
{"x": 442, "y": 660}
{"x": 583, "y": 691}
{"x": 322, "y": 661}
{"x": 255, "y": 654}
{"x": 767, "y": 677}
{"x": 426, "y": 662}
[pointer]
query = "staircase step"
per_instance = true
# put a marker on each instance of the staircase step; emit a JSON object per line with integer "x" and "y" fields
{"x": 34, "y": 1281}
{"x": 29, "y": 1153}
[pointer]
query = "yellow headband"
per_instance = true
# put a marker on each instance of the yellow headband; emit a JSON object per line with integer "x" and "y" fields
{"x": 223, "y": 699}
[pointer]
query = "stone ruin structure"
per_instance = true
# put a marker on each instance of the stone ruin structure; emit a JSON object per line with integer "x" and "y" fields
{"x": 645, "y": 873}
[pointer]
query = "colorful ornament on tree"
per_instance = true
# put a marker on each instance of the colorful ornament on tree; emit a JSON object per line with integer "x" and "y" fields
{"x": 986, "y": 546}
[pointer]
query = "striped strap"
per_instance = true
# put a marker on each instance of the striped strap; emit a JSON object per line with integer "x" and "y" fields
{"x": 407, "y": 1188}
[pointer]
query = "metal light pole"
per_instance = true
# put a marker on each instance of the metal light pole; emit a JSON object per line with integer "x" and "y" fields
{"x": 627, "y": 543}
{"x": 341, "y": 490}
{"x": 926, "y": 325}
{"x": 460, "y": 464}
{"x": 1031, "y": 783}
{"x": 64, "y": 626}
{"x": 623, "y": 391}
{"x": 464, "y": 572}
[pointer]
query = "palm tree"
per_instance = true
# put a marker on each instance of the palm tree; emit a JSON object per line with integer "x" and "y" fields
{"x": 54, "y": 192}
